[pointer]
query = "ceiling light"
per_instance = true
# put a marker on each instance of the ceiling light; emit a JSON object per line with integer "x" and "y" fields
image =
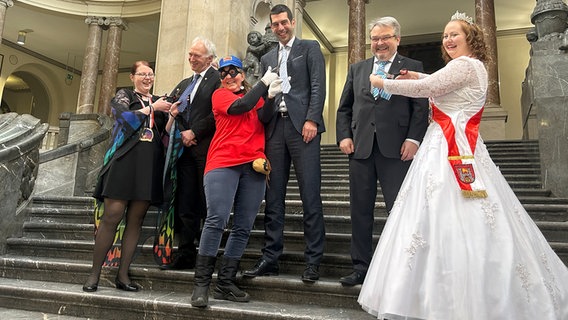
{"x": 21, "y": 38}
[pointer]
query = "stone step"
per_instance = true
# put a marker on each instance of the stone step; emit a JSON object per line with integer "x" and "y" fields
{"x": 536, "y": 202}
{"x": 553, "y": 212}
{"x": 109, "y": 303}
{"x": 505, "y": 160}
{"x": 522, "y": 184}
{"x": 340, "y": 169}
{"x": 147, "y": 273}
{"x": 549, "y": 217}
{"x": 332, "y": 265}
{"x": 341, "y": 195}
{"x": 334, "y": 176}
{"x": 15, "y": 314}
{"x": 285, "y": 288}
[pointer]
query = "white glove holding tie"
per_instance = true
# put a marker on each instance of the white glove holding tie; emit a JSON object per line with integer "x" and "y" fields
{"x": 269, "y": 77}
{"x": 275, "y": 88}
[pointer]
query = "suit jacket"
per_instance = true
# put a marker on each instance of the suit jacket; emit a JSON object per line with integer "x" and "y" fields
{"x": 392, "y": 121}
{"x": 201, "y": 120}
{"x": 306, "y": 70}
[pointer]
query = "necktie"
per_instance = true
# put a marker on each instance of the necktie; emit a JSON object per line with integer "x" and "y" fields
{"x": 381, "y": 72}
{"x": 284, "y": 69}
{"x": 184, "y": 98}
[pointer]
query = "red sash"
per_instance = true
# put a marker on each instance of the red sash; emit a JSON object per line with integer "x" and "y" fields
{"x": 462, "y": 163}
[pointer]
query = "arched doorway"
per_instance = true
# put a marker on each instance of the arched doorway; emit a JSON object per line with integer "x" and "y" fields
{"x": 25, "y": 93}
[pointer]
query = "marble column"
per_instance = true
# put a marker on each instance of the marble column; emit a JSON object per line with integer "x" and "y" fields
{"x": 299, "y": 6}
{"x": 494, "y": 116}
{"x": 4, "y": 5}
{"x": 110, "y": 69}
{"x": 356, "y": 42}
{"x": 90, "y": 71}
{"x": 182, "y": 20}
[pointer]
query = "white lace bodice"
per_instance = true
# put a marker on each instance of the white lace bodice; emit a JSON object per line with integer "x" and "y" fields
{"x": 460, "y": 86}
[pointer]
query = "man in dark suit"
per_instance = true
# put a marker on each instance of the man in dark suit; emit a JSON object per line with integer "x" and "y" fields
{"x": 293, "y": 136}
{"x": 197, "y": 126}
{"x": 380, "y": 134}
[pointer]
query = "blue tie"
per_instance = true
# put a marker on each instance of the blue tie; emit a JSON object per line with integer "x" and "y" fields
{"x": 184, "y": 98}
{"x": 381, "y": 72}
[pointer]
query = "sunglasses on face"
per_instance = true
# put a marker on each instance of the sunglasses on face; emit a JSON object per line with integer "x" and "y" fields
{"x": 233, "y": 72}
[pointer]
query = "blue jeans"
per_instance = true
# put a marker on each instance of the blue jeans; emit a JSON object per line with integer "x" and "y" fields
{"x": 240, "y": 188}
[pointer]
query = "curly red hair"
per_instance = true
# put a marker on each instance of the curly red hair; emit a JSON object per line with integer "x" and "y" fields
{"x": 475, "y": 41}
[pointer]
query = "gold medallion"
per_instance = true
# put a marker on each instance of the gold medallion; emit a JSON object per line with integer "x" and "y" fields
{"x": 147, "y": 135}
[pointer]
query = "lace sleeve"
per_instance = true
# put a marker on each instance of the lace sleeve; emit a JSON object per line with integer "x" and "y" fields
{"x": 457, "y": 74}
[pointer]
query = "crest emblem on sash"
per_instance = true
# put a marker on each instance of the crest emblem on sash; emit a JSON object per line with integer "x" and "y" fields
{"x": 465, "y": 172}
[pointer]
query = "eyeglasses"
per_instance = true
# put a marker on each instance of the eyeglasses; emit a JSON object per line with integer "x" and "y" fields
{"x": 145, "y": 75}
{"x": 383, "y": 38}
{"x": 233, "y": 72}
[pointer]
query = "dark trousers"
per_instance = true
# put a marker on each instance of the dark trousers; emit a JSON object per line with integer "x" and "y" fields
{"x": 191, "y": 207}
{"x": 241, "y": 190}
{"x": 284, "y": 147}
{"x": 363, "y": 175}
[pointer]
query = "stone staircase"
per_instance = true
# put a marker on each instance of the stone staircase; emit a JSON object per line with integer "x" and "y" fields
{"x": 44, "y": 269}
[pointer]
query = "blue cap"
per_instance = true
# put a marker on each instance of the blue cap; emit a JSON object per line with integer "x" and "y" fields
{"x": 230, "y": 61}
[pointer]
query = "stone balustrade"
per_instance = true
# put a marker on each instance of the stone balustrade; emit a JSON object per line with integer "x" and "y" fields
{"x": 20, "y": 139}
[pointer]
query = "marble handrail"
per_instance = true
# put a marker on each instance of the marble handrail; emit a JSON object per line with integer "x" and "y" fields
{"x": 72, "y": 168}
{"x": 20, "y": 139}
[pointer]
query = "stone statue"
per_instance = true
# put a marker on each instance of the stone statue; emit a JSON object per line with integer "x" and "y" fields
{"x": 255, "y": 50}
{"x": 259, "y": 45}
{"x": 269, "y": 38}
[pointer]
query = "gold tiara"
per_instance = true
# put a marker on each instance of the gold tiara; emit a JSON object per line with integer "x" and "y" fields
{"x": 461, "y": 16}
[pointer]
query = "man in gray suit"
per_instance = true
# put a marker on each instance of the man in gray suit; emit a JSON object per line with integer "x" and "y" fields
{"x": 293, "y": 136}
{"x": 380, "y": 135}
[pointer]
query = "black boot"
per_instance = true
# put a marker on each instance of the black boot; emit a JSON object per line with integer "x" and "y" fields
{"x": 204, "y": 267}
{"x": 226, "y": 288}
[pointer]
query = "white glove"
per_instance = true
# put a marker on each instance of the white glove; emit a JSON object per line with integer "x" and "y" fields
{"x": 275, "y": 88}
{"x": 268, "y": 77}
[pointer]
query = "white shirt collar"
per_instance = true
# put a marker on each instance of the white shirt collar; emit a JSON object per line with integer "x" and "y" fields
{"x": 390, "y": 60}
{"x": 289, "y": 44}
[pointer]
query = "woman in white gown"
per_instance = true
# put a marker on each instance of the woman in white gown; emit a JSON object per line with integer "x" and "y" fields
{"x": 458, "y": 244}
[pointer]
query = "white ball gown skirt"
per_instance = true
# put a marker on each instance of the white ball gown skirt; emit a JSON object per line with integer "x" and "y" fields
{"x": 442, "y": 256}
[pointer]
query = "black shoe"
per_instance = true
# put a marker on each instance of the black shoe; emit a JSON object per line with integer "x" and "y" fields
{"x": 262, "y": 268}
{"x": 181, "y": 262}
{"x": 126, "y": 286}
{"x": 91, "y": 287}
{"x": 354, "y": 278}
{"x": 311, "y": 273}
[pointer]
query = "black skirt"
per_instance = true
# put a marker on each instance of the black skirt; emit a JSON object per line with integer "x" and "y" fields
{"x": 137, "y": 175}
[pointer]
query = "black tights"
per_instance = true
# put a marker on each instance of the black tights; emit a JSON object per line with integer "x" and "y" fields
{"x": 114, "y": 210}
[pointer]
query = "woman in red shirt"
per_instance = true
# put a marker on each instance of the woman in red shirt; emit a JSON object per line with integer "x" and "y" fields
{"x": 230, "y": 181}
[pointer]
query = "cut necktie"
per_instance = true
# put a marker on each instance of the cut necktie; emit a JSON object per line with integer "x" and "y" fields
{"x": 382, "y": 73}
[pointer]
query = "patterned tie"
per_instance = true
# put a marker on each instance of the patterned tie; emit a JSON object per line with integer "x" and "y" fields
{"x": 381, "y": 72}
{"x": 184, "y": 98}
{"x": 284, "y": 69}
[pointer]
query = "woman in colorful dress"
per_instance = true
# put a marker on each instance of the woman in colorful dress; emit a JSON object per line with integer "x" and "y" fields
{"x": 131, "y": 177}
